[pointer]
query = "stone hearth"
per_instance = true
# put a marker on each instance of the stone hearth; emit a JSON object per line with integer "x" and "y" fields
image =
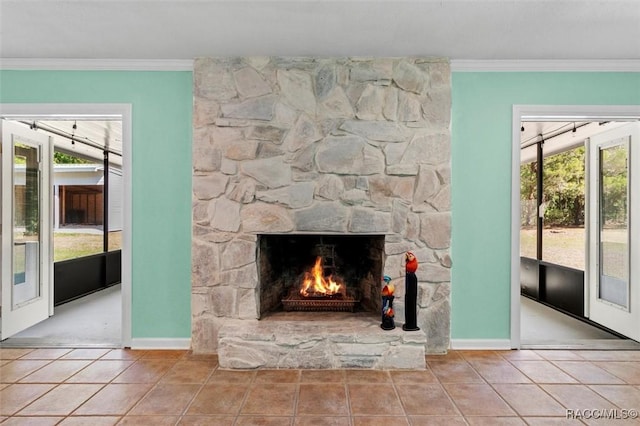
{"x": 334, "y": 146}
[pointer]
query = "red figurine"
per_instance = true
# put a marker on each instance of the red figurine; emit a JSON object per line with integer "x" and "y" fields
{"x": 411, "y": 262}
{"x": 411, "y": 294}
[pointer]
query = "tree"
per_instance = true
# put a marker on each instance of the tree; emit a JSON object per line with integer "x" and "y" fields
{"x": 563, "y": 189}
{"x": 61, "y": 158}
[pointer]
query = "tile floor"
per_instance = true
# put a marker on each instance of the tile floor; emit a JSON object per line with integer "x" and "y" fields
{"x": 108, "y": 387}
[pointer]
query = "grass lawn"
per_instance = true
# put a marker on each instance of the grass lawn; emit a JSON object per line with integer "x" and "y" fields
{"x": 562, "y": 246}
{"x": 566, "y": 246}
{"x": 72, "y": 245}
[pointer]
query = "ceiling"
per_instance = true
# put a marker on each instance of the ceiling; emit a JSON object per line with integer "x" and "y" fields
{"x": 558, "y": 136}
{"x": 87, "y": 139}
{"x": 186, "y": 29}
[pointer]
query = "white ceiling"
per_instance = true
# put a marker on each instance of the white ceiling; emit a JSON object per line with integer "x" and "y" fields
{"x": 185, "y": 29}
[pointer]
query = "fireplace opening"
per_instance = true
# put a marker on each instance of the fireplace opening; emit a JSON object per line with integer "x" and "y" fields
{"x": 320, "y": 272}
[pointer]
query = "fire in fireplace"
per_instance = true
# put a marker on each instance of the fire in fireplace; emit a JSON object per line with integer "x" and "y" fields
{"x": 320, "y": 272}
{"x": 321, "y": 289}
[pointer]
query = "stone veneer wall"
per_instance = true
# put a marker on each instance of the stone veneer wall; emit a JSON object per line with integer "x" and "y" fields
{"x": 319, "y": 145}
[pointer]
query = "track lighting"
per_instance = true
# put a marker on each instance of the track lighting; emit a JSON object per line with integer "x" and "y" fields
{"x": 73, "y": 133}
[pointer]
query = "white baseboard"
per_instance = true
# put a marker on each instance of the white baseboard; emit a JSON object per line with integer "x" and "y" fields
{"x": 481, "y": 344}
{"x": 153, "y": 343}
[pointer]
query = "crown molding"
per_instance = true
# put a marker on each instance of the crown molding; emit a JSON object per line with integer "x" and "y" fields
{"x": 96, "y": 64}
{"x": 546, "y": 65}
{"x": 457, "y": 65}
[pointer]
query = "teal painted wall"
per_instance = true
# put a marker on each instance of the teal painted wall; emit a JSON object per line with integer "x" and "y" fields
{"x": 481, "y": 181}
{"x": 481, "y": 177}
{"x": 161, "y": 180}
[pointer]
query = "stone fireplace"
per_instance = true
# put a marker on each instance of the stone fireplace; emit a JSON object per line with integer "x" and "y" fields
{"x": 319, "y": 149}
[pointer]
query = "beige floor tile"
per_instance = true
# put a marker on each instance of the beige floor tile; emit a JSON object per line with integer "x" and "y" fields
{"x": 529, "y": 400}
{"x": 47, "y": 353}
{"x": 126, "y": 354}
{"x": 624, "y": 396}
{"x": 166, "y": 399}
{"x": 449, "y": 356}
{"x": 218, "y": 399}
{"x": 560, "y": 355}
{"x": 277, "y": 376}
{"x": 437, "y": 421}
{"x": 499, "y": 371}
{"x": 16, "y": 370}
{"x": 477, "y": 400}
{"x": 380, "y": 421}
{"x": 373, "y": 399}
{"x": 32, "y": 421}
{"x": 207, "y": 421}
{"x": 86, "y": 353}
{"x": 274, "y": 399}
{"x": 455, "y": 372}
{"x": 55, "y": 372}
{"x": 263, "y": 421}
{"x": 90, "y": 421}
{"x": 189, "y": 372}
{"x": 13, "y": 353}
{"x": 100, "y": 371}
{"x": 322, "y": 376}
{"x": 477, "y": 355}
{"x": 114, "y": 399}
{"x": 368, "y": 376}
{"x": 587, "y": 373}
{"x": 627, "y": 371}
{"x": 610, "y": 355}
{"x": 17, "y": 396}
{"x": 231, "y": 377}
{"x": 428, "y": 399}
{"x": 165, "y": 354}
{"x": 577, "y": 397}
{"x": 61, "y": 401}
{"x": 543, "y": 372}
{"x": 149, "y": 420}
{"x": 145, "y": 371}
{"x": 551, "y": 421}
{"x": 419, "y": 377}
{"x": 321, "y": 421}
{"x": 319, "y": 399}
{"x": 521, "y": 355}
{"x": 190, "y": 356}
{"x": 495, "y": 421}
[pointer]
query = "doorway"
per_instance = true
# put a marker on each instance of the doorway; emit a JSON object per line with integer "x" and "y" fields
{"x": 550, "y": 265}
{"x": 89, "y": 257}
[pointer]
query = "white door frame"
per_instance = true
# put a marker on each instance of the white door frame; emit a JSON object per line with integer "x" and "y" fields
{"x": 551, "y": 113}
{"x": 37, "y": 111}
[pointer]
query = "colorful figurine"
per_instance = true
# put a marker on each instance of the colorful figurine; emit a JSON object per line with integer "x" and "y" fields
{"x": 411, "y": 293}
{"x": 387, "y": 304}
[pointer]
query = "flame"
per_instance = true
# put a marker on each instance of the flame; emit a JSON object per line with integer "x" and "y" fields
{"x": 315, "y": 283}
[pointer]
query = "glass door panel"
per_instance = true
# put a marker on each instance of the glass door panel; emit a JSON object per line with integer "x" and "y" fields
{"x": 614, "y": 225}
{"x": 614, "y": 213}
{"x": 26, "y": 224}
{"x": 26, "y": 227}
